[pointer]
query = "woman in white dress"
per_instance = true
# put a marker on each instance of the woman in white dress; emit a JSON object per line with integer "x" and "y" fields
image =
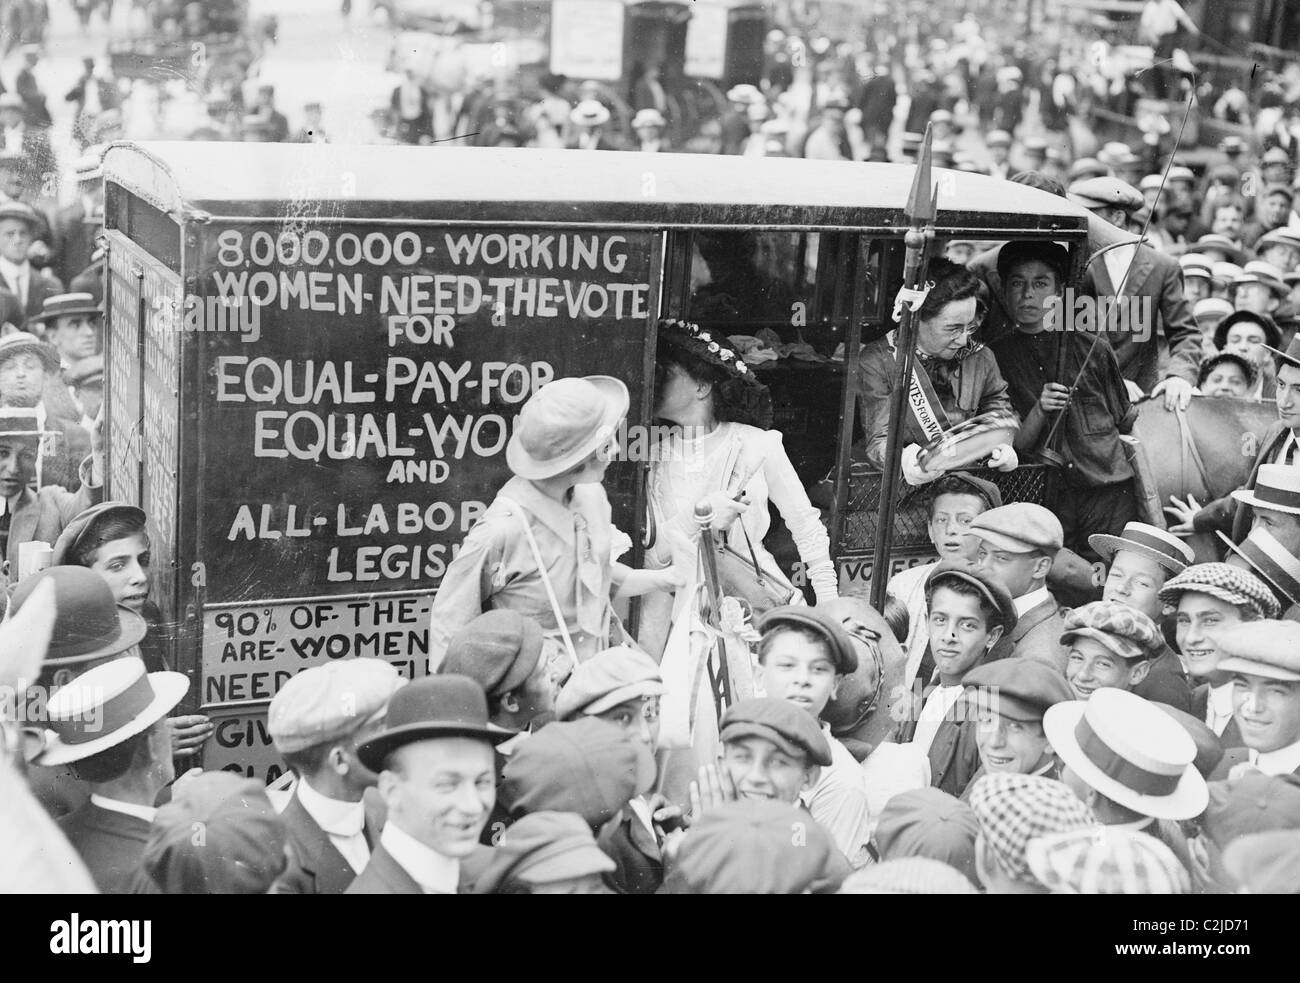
{"x": 718, "y": 447}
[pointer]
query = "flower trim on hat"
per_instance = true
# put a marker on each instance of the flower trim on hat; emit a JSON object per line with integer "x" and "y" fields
{"x": 701, "y": 344}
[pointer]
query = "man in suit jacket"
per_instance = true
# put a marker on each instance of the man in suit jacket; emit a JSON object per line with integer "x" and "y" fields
{"x": 18, "y": 226}
{"x": 969, "y": 611}
{"x": 123, "y": 749}
{"x": 1263, "y": 660}
{"x": 1280, "y": 445}
{"x": 1017, "y": 544}
{"x": 1244, "y": 806}
{"x": 1213, "y": 599}
{"x": 77, "y": 225}
{"x": 437, "y": 779}
{"x": 1155, "y": 281}
{"x": 315, "y": 722}
{"x": 20, "y": 138}
{"x": 1141, "y": 559}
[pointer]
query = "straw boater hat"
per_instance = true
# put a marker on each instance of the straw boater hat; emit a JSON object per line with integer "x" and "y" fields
{"x": 589, "y": 112}
{"x": 1223, "y": 244}
{"x": 648, "y": 117}
{"x": 21, "y": 211}
{"x": 1260, "y": 271}
{"x": 66, "y": 305}
{"x": 1149, "y": 541}
{"x": 20, "y": 342}
{"x": 1129, "y": 751}
{"x": 563, "y": 423}
{"x": 1271, "y": 561}
{"x": 106, "y": 706}
{"x": 1277, "y": 487}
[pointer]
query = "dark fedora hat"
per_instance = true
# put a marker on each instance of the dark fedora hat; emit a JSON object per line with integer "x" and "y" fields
{"x": 447, "y": 705}
{"x": 89, "y": 624}
{"x": 1272, "y": 335}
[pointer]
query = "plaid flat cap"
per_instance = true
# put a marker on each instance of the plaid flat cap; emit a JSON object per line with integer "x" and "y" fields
{"x": 1014, "y": 809}
{"x": 1127, "y": 632}
{"x": 1228, "y": 583}
{"x": 1105, "y": 860}
{"x": 908, "y": 875}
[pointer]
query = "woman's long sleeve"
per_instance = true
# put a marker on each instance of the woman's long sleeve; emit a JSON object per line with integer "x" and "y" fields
{"x": 801, "y": 517}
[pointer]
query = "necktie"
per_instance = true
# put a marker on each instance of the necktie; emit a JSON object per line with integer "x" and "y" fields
{"x": 22, "y": 289}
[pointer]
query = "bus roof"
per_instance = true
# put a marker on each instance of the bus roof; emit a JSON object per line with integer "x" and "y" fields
{"x": 522, "y": 186}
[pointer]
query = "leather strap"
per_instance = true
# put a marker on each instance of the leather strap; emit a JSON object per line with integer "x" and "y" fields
{"x": 546, "y": 581}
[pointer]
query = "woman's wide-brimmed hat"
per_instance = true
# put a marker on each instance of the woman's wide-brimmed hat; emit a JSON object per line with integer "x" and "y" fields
{"x": 565, "y": 422}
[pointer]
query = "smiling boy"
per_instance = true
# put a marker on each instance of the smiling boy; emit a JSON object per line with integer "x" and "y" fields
{"x": 803, "y": 656}
{"x": 968, "y": 613}
{"x": 1110, "y": 645}
{"x": 1263, "y": 661}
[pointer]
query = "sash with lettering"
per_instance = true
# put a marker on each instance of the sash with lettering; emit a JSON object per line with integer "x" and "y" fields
{"x": 923, "y": 400}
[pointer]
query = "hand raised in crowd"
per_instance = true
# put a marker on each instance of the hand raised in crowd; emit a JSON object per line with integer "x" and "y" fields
{"x": 913, "y": 473}
{"x": 189, "y": 732}
{"x": 713, "y": 788}
{"x": 1178, "y": 393}
{"x": 1184, "y": 512}
{"x": 1055, "y": 397}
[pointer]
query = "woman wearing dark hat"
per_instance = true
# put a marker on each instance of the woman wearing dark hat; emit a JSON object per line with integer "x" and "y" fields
{"x": 545, "y": 546}
{"x": 111, "y": 539}
{"x": 1245, "y": 333}
{"x": 960, "y": 374}
{"x": 719, "y": 448}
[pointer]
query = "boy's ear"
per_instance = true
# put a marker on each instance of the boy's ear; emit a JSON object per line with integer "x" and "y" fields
{"x": 1139, "y": 672}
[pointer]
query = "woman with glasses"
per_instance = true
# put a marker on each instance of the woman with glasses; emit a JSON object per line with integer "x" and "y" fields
{"x": 955, "y": 377}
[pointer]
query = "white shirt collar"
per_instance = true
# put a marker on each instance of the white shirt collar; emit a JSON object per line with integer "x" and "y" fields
{"x": 12, "y": 271}
{"x": 434, "y": 873}
{"x": 1283, "y": 761}
{"x": 334, "y": 816}
{"x": 1027, "y": 602}
{"x": 126, "y": 808}
{"x": 1135, "y": 826}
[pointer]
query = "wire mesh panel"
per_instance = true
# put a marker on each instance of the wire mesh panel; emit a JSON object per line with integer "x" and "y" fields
{"x": 1027, "y": 483}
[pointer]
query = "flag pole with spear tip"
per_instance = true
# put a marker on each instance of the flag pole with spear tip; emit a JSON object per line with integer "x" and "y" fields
{"x": 922, "y": 205}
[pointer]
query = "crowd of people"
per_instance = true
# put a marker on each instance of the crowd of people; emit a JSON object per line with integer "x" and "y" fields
{"x": 996, "y": 728}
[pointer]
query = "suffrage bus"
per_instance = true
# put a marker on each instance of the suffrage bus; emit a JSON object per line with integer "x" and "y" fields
{"x": 315, "y": 354}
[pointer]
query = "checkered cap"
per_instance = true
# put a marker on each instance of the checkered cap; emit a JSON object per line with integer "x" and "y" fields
{"x": 1227, "y": 583}
{"x": 1104, "y": 860}
{"x": 1125, "y": 630}
{"x": 1014, "y": 809}
{"x": 908, "y": 875}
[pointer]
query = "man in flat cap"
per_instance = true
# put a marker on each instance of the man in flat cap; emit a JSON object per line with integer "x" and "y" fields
{"x": 803, "y": 656}
{"x": 956, "y": 500}
{"x": 968, "y": 612}
{"x": 316, "y": 721}
{"x": 1008, "y": 699}
{"x": 770, "y": 750}
{"x": 1142, "y": 558}
{"x": 1210, "y": 599}
{"x": 1262, "y": 659}
{"x": 1109, "y": 645}
{"x": 925, "y": 822}
{"x": 1016, "y": 546}
{"x": 622, "y": 686}
{"x": 1239, "y": 807}
{"x": 436, "y": 777}
{"x": 1136, "y": 271}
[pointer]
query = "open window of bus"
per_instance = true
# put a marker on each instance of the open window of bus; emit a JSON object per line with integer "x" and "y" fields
{"x": 799, "y": 299}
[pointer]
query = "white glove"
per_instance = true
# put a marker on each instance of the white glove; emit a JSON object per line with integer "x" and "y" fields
{"x": 1004, "y": 458}
{"x": 913, "y": 473}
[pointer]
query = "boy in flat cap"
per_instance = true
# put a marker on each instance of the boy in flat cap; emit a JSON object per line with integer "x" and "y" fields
{"x": 1109, "y": 645}
{"x": 926, "y": 822}
{"x": 968, "y": 613}
{"x": 1009, "y": 698}
{"x": 956, "y": 500}
{"x": 1079, "y": 391}
{"x": 1211, "y": 598}
{"x": 546, "y": 853}
{"x": 436, "y": 777}
{"x": 316, "y": 721}
{"x": 1141, "y": 559}
{"x": 622, "y": 686}
{"x": 1262, "y": 659}
{"x": 803, "y": 656}
{"x": 1016, "y": 546}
